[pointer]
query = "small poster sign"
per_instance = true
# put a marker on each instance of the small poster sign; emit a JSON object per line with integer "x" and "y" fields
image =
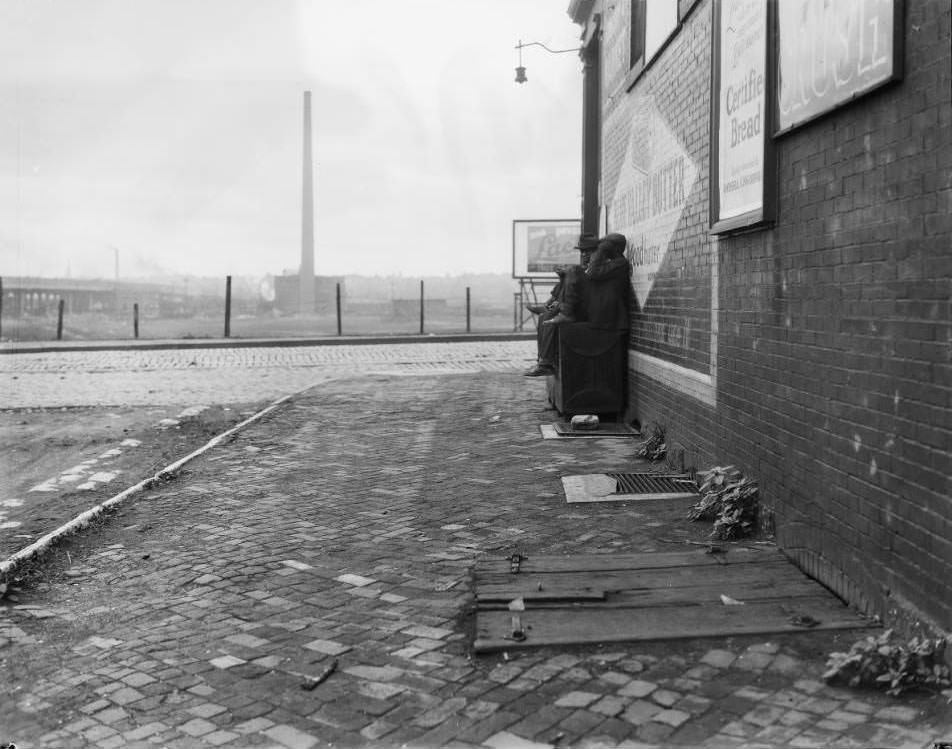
{"x": 539, "y": 246}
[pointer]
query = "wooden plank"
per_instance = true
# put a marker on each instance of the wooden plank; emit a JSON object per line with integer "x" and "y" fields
{"x": 758, "y": 591}
{"x": 590, "y": 625}
{"x": 714, "y": 576}
{"x": 644, "y": 560}
{"x": 537, "y": 596}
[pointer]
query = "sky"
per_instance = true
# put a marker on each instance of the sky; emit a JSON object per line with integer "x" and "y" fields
{"x": 167, "y": 134}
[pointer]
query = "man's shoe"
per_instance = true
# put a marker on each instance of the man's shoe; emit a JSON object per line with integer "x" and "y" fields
{"x": 540, "y": 370}
{"x": 559, "y": 318}
{"x": 535, "y": 309}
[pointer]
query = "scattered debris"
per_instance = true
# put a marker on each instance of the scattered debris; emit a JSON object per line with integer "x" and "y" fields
{"x": 655, "y": 447}
{"x": 804, "y": 620}
{"x": 728, "y": 601}
{"x": 516, "y": 606}
{"x": 312, "y": 684}
{"x": 730, "y": 500}
{"x": 879, "y": 662}
{"x": 585, "y": 422}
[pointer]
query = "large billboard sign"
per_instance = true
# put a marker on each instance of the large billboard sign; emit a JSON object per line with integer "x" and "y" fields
{"x": 539, "y": 246}
{"x": 829, "y": 53}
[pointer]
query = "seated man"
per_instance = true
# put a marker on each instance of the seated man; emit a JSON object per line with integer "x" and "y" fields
{"x": 550, "y": 308}
{"x": 561, "y": 303}
{"x": 597, "y": 291}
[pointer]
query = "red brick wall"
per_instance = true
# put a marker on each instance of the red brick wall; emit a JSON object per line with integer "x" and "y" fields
{"x": 829, "y": 351}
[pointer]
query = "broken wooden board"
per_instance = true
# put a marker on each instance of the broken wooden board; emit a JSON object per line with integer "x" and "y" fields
{"x": 650, "y": 596}
{"x": 634, "y": 561}
{"x": 534, "y": 595}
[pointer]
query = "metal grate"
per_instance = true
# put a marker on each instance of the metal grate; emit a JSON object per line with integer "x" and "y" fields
{"x": 654, "y": 483}
{"x": 605, "y": 429}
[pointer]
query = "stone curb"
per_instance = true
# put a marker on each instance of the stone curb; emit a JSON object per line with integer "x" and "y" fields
{"x": 46, "y": 347}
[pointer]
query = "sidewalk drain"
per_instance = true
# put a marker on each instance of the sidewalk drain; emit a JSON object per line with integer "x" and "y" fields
{"x": 653, "y": 483}
{"x": 622, "y": 487}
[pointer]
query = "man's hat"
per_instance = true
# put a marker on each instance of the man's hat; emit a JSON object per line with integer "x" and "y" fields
{"x": 587, "y": 242}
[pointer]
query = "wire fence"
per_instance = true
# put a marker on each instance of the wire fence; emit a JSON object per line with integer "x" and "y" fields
{"x": 31, "y": 315}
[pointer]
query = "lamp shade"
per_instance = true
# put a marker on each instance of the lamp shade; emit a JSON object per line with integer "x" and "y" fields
{"x": 521, "y": 75}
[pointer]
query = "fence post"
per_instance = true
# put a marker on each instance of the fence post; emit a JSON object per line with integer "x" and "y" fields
{"x": 59, "y": 320}
{"x": 338, "y": 310}
{"x": 421, "y": 307}
{"x": 135, "y": 319}
{"x": 227, "y": 306}
{"x": 467, "y": 309}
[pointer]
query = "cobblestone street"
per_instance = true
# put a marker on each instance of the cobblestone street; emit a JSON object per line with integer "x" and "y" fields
{"x": 141, "y": 377}
{"x": 341, "y": 529}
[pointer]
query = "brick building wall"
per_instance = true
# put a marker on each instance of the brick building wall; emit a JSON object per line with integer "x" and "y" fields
{"x": 816, "y": 354}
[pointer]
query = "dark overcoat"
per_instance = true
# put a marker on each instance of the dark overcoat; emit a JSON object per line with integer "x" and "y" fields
{"x": 606, "y": 299}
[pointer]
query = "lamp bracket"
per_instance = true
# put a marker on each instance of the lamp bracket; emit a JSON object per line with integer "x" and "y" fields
{"x": 521, "y": 44}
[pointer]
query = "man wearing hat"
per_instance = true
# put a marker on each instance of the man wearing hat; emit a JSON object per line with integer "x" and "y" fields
{"x": 606, "y": 286}
{"x": 561, "y": 305}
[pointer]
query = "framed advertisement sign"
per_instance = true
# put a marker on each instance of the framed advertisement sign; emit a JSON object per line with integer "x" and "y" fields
{"x": 538, "y": 246}
{"x": 831, "y": 53}
{"x": 742, "y": 155}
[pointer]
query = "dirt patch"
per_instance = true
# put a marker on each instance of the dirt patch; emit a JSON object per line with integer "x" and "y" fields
{"x": 57, "y": 463}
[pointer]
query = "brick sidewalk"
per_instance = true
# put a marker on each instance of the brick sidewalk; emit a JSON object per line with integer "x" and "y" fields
{"x": 344, "y": 527}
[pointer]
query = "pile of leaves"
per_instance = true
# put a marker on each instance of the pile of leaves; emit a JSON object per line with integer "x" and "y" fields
{"x": 730, "y": 500}
{"x": 879, "y": 662}
{"x": 655, "y": 447}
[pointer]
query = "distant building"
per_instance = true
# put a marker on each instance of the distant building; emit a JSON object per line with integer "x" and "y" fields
{"x": 38, "y": 297}
{"x": 287, "y": 290}
{"x": 35, "y": 296}
{"x": 781, "y": 172}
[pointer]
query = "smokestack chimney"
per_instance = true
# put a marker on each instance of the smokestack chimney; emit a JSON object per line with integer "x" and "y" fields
{"x": 306, "y": 275}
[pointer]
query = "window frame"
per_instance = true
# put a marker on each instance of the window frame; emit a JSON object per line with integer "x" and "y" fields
{"x": 638, "y": 65}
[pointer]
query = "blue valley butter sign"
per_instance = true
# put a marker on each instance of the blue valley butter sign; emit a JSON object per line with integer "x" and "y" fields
{"x": 650, "y": 192}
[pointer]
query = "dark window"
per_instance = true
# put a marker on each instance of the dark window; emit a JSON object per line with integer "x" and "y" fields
{"x": 637, "y": 32}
